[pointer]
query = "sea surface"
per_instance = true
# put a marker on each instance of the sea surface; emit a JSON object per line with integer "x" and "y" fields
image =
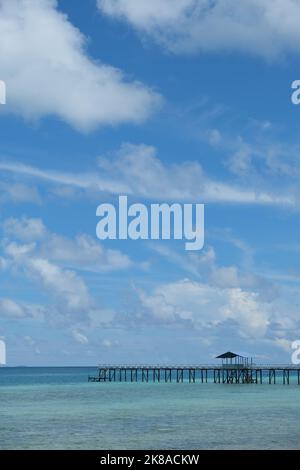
{"x": 57, "y": 408}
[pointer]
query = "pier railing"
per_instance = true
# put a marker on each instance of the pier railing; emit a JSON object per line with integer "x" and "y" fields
{"x": 200, "y": 366}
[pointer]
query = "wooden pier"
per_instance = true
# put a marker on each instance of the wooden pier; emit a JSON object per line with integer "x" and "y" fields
{"x": 224, "y": 374}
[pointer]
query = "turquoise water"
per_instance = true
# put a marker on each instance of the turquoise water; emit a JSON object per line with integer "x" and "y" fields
{"x": 56, "y": 408}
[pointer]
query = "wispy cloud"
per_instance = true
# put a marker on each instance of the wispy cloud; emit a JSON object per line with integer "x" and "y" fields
{"x": 18, "y": 193}
{"x": 258, "y": 27}
{"x": 136, "y": 170}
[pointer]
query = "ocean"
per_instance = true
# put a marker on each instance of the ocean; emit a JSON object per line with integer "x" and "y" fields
{"x": 57, "y": 408}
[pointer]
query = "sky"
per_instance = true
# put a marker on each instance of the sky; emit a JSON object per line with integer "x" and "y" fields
{"x": 167, "y": 101}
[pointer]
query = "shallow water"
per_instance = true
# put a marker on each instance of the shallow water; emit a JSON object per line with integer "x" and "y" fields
{"x": 56, "y": 408}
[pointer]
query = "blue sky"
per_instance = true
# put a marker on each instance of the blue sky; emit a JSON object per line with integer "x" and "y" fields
{"x": 180, "y": 101}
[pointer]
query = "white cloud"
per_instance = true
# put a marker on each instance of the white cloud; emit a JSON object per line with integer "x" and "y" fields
{"x": 204, "y": 267}
{"x": 136, "y": 170}
{"x": 25, "y": 229}
{"x": 206, "y": 306}
{"x": 226, "y": 275}
{"x": 143, "y": 13}
{"x": 17, "y": 310}
{"x": 82, "y": 181}
{"x": 82, "y": 252}
{"x": 219, "y": 313}
{"x": 43, "y": 258}
{"x": 18, "y": 252}
{"x": 284, "y": 344}
{"x": 260, "y": 160}
{"x": 3, "y": 264}
{"x": 48, "y": 71}
{"x": 108, "y": 343}
{"x": 80, "y": 337}
{"x": 139, "y": 167}
{"x": 71, "y": 302}
{"x": 10, "y": 308}
{"x": 266, "y": 28}
{"x": 18, "y": 193}
{"x": 214, "y": 137}
{"x": 68, "y": 288}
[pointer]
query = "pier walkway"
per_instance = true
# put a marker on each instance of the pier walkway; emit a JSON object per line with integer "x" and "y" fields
{"x": 225, "y": 374}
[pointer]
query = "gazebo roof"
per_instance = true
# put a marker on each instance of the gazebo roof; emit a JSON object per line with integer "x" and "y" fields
{"x": 228, "y": 355}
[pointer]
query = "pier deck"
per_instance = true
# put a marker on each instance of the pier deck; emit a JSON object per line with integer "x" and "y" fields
{"x": 225, "y": 374}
